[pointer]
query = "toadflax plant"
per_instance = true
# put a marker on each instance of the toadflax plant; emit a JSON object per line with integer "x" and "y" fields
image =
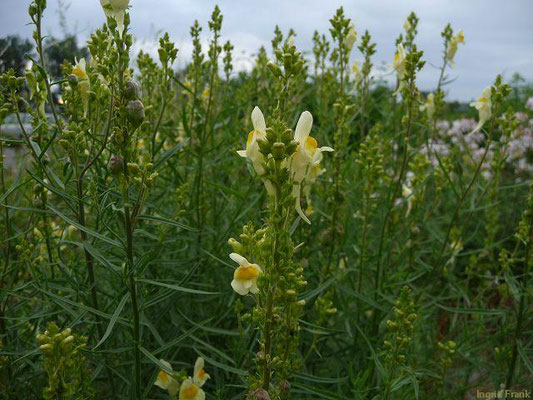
{"x": 120, "y": 184}
{"x": 288, "y": 163}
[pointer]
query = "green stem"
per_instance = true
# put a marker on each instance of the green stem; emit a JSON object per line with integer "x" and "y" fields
{"x": 520, "y": 314}
{"x": 132, "y": 287}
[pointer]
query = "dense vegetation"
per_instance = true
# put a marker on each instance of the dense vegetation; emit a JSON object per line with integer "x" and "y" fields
{"x": 360, "y": 242}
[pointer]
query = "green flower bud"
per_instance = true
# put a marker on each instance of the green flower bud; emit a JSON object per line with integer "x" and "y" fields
{"x": 278, "y": 150}
{"x": 133, "y": 168}
{"x": 235, "y": 245}
{"x": 274, "y": 69}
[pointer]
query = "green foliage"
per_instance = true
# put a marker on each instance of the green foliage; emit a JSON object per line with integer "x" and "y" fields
{"x": 116, "y": 203}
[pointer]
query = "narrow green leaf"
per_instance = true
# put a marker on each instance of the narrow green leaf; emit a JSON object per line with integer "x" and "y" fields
{"x": 112, "y": 321}
{"x": 85, "y": 229}
{"x": 174, "y": 287}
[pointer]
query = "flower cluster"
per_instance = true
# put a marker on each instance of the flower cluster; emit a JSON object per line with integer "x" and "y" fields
{"x": 64, "y": 363}
{"x": 452, "y": 46}
{"x": 484, "y": 107}
{"x": 190, "y": 388}
{"x": 303, "y": 155}
{"x": 116, "y": 9}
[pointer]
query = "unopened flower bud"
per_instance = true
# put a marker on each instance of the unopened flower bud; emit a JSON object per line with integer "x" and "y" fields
{"x": 278, "y": 150}
{"x": 287, "y": 136}
{"x": 275, "y": 69}
{"x": 235, "y": 245}
{"x": 68, "y": 339}
{"x": 46, "y": 347}
{"x": 133, "y": 168}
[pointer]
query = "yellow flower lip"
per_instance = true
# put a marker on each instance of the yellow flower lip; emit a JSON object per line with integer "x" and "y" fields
{"x": 190, "y": 391}
{"x": 163, "y": 377}
{"x": 311, "y": 143}
{"x": 246, "y": 273}
{"x": 250, "y": 138}
{"x": 79, "y": 73}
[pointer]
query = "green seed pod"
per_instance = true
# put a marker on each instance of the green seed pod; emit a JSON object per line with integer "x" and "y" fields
{"x": 135, "y": 112}
{"x": 260, "y": 394}
{"x": 132, "y": 90}
{"x": 116, "y": 165}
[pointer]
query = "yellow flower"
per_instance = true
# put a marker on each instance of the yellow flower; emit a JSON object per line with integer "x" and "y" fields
{"x": 351, "y": 37}
{"x": 305, "y": 163}
{"x": 356, "y": 73}
{"x": 290, "y": 40}
{"x": 460, "y": 37}
{"x": 190, "y": 391}
{"x": 429, "y": 107}
{"x": 399, "y": 62}
{"x": 407, "y": 194}
{"x": 166, "y": 381}
{"x": 407, "y": 25}
{"x": 116, "y": 10}
{"x": 452, "y": 47}
{"x": 456, "y": 246}
{"x": 483, "y": 105}
{"x": 252, "y": 147}
{"x": 200, "y": 376}
{"x": 245, "y": 276}
{"x": 80, "y": 71}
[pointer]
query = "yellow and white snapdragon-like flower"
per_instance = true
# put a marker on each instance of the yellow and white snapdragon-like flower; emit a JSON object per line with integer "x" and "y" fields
{"x": 429, "y": 107}
{"x": 290, "y": 40}
{"x": 452, "y": 46}
{"x": 305, "y": 162}
{"x": 200, "y": 376}
{"x": 167, "y": 381}
{"x": 351, "y": 37}
{"x": 191, "y": 391}
{"x": 116, "y": 10}
{"x": 484, "y": 107}
{"x": 407, "y": 193}
{"x": 398, "y": 64}
{"x": 357, "y": 74}
{"x": 80, "y": 71}
{"x": 252, "y": 146}
{"x": 245, "y": 276}
{"x": 407, "y": 25}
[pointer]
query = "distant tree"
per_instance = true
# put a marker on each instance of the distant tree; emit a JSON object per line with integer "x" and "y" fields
{"x": 13, "y": 53}
{"x": 57, "y": 51}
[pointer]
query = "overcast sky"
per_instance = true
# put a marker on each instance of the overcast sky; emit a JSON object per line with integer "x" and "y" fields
{"x": 498, "y": 33}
